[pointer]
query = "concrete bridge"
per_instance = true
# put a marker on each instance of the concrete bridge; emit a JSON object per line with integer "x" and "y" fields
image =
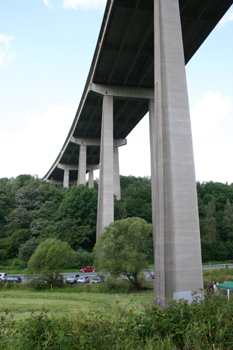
{"x": 139, "y": 67}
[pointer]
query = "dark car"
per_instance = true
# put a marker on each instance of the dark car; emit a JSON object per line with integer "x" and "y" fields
{"x": 72, "y": 279}
{"x": 14, "y": 279}
{"x": 97, "y": 279}
{"x": 88, "y": 269}
{"x": 152, "y": 275}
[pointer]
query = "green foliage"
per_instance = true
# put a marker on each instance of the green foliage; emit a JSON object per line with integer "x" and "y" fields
{"x": 136, "y": 198}
{"x": 227, "y": 224}
{"x": 210, "y": 222}
{"x": 27, "y": 249}
{"x": 27, "y": 196}
{"x": 121, "y": 248}
{"x": 84, "y": 258}
{"x": 18, "y": 218}
{"x": 80, "y": 204}
{"x": 46, "y": 211}
{"x": 49, "y": 258}
{"x": 205, "y": 324}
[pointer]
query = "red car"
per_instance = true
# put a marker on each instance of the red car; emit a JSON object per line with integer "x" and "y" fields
{"x": 88, "y": 269}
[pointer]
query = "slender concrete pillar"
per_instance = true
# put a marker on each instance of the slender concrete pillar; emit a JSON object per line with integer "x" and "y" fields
{"x": 91, "y": 179}
{"x": 178, "y": 268}
{"x": 117, "y": 186}
{"x": 66, "y": 178}
{"x": 105, "y": 211}
{"x": 82, "y": 165}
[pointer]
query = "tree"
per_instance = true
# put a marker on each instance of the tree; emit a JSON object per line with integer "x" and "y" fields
{"x": 50, "y": 257}
{"x": 19, "y": 217}
{"x": 228, "y": 220}
{"x": 210, "y": 222}
{"x": 27, "y": 249}
{"x": 121, "y": 248}
{"x": 80, "y": 204}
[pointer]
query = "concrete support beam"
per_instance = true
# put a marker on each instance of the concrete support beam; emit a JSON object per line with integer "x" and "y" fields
{"x": 66, "y": 178}
{"x": 178, "y": 268}
{"x": 122, "y": 91}
{"x": 117, "y": 186}
{"x": 95, "y": 142}
{"x": 76, "y": 167}
{"x": 91, "y": 179}
{"x": 82, "y": 165}
{"x": 105, "y": 211}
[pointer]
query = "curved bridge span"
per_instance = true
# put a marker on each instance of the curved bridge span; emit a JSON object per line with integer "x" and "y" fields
{"x": 139, "y": 67}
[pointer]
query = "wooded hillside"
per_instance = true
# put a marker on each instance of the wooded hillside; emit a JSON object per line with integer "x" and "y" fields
{"x": 31, "y": 211}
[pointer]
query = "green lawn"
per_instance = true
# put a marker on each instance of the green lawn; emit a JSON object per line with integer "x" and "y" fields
{"x": 22, "y": 303}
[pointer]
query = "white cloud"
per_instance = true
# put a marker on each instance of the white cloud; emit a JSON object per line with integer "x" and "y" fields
{"x": 207, "y": 113}
{"x": 6, "y": 54}
{"x": 74, "y": 4}
{"x": 134, "y": 157}
{"x": 228, "y": 17}
{"x": 47, "y": 3}
{"x": 212, "y": 124}
{"x": 34, "y": 149}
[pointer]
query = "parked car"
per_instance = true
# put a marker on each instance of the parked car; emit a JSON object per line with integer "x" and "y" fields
{"x": 88, "y": 269}
{"x": 72, "y": 279}
{"x": 152, "y": 275}
{"x": 14, "y": 279}
{"x": 97, "y": 279}
{"x": 83, "y": 279}
{"x": 125, "y": 278}
{"x": 3, "y": 276}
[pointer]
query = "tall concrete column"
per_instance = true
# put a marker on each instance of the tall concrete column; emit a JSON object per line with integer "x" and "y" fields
{"x": 105, "y": 211}
{"x": 178, "y": 268}
{"x": 82, "y": 165}
{"x": 91, "y": 179}
{"x": 117, "y": 186}
{"x": 66, "y": 178}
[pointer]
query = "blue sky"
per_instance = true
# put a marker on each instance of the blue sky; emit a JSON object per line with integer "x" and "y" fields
{"x": 46, "y": 48}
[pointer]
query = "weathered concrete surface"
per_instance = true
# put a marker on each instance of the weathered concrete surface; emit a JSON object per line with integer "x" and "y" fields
{"x": 117, "y": 186}
{"x": 91, "y": 179}
{"x": 178, "y": 269}
{"x": 82, "y": 165}
{"x": 105, "y": 211}
{"x": 66, "y": 178}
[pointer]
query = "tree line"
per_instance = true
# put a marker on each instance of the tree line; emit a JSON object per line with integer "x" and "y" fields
{"x": 32, "y": 211}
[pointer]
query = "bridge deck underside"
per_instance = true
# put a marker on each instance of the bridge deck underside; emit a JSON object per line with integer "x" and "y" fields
{"x": 126, "y": 58}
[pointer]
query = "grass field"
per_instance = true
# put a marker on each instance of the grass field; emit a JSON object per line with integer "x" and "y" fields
{"x": 22, "y": 303}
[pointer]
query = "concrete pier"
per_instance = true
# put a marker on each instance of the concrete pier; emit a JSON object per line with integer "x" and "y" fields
{"x": 91, "y": 179}
{"x": 117, "y": 186}
{"x": 178, "y": 269}
{"x": 82, "y": 165}
{"x": 66, "y": 178}
{"x": 105, "y": 211}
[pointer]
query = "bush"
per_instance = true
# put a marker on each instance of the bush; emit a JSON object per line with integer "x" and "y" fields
{"x": 205, "y": 324}
{"x": 84, "y": 258}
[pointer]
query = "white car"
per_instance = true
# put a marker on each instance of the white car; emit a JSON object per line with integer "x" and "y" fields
{"x": 83, "y": 279}
{"x": 3, "y": 276}
{"x": 72, "y": 279}
{"x": 125, "y": 278}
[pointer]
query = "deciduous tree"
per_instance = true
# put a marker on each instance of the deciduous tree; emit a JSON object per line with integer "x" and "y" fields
{"x": 121, "y": 248}
{"x": 50, "y": 257}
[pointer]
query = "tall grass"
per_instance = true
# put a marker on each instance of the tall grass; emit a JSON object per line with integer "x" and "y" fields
{"x": 217, "y": 275}
{"x": 205, "y": 324}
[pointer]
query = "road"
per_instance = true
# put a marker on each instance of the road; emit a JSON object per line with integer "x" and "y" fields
{"x": 146, "y": 272}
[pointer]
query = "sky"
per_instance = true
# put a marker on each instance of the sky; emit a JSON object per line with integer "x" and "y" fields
{"x": 46, "y": 49}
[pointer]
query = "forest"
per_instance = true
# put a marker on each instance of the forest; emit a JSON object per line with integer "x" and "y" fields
{"x": 32, "y": 211}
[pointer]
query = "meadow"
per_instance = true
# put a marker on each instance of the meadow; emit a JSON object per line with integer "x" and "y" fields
{"x": 112, "y": 316}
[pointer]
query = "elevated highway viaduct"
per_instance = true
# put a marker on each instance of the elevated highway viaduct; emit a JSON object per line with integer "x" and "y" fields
{"x": 139, "y": 67}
